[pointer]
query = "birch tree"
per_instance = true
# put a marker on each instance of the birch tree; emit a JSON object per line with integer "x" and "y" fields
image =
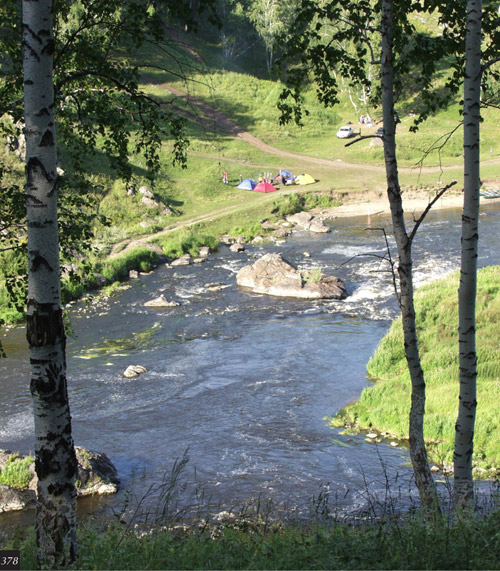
{"x": 270, "y": 18}
{"x": 84, "y": 84}
{"x": 475, "y": 63}
{"x": 312, "y": 53}
{"x": 418, "y": 453}
{"x": 55, "y": 459}
{"x": 464, "y": 429}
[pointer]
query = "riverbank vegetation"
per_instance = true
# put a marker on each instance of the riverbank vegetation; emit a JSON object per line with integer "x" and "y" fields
{"x": 392, "y": 543}
{"x": 383, "y": 408}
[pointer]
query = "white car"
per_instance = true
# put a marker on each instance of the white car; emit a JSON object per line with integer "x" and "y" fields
{"x": 345, "y": 132}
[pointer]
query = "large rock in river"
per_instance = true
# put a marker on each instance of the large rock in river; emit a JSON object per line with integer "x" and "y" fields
{"x": 96, "y": 475}
{"x": 273, "y": 275}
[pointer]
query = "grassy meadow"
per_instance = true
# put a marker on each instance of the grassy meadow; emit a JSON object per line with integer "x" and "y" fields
{"x": 384, "y": 407}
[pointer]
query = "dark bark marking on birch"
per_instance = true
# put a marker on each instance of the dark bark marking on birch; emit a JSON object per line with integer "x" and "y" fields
{"x": 38, "y": 261}
{"x": 43, "y": 224}
{"x": 54, "y": 188}
{"x": 35, "y": 202}
{"x": 42, "y": 112}
{"x": 47, "y": 139}
{"x": 46, "y": 464}
{"x": 44, "y": 324}
{"x": 49, "y": 48}
{"x": 34, "y": 168}
{"x": 32, "y": 54}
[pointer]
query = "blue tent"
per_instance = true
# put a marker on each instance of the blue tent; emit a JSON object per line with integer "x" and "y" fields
{"x": 284, "y": 173}
{"x": 247, "y": 184}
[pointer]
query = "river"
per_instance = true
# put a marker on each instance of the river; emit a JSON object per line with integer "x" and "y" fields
{"x": 238, "y": 382}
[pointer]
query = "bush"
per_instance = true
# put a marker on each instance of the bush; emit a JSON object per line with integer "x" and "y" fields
{"x": 135, "y": 259}
{"x": 16, "y": 472}
{"x": 293, "y": 203}
{"x": 177, "y": 244}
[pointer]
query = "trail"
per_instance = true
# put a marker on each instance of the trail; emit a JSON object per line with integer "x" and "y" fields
{"x": 217, "y": 120}
{"x": 212, "y": 119}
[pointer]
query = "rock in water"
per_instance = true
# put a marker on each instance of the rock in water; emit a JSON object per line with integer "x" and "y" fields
{"x": 133, "y": 371}
{"x": 161, "y": 301}
{"x": 96, "y": 473}
{"x": 273, "y": 275}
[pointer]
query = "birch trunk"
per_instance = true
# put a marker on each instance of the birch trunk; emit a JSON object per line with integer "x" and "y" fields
{"x": 418, "y": 453}
{"x": 55, "y": 461}
{"x": 464, "y": 428}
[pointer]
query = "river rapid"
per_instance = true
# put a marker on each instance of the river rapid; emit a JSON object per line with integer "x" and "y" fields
{"x": 239, "y": 383}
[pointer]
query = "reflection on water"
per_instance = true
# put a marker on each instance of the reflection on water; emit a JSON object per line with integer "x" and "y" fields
{"x": 241, "y": 381}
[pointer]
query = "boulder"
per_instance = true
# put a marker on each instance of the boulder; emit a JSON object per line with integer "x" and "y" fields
{"x": 14, "y": 499}
{"x": 301, "y": 219}
{"x": 133, "y": 274}
{"x": 96, "y": 474}
{"x": 317, "y": 225}
{"x": 273, "y": 275}
{"x": 237, "y": 247}
{"x": 182, "y": 261}
{"x": 161, "y": 301}
{"x": 133, "y": 371}
{"x": 309, "y": 222}
{"x": 145, "y": 191}
{"x": 204, "y": 252}
{"x": 148, "y": 202}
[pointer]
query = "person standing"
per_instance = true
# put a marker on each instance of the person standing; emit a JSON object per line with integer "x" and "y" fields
{"x": 224, "y": 178}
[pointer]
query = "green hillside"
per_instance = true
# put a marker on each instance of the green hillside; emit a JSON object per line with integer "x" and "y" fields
{"x": 230, "y": 109}
{"x": 384, "y": 407}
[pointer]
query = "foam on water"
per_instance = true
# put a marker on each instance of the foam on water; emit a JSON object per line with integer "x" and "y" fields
{"x": 18, "y": 426}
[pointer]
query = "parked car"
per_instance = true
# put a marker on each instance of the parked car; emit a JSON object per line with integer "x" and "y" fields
{"x": 345, "y": 132}
{"x": 380, "y": 132}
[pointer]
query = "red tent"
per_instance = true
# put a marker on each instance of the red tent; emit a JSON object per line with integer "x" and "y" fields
{"x": 264, "y": 187}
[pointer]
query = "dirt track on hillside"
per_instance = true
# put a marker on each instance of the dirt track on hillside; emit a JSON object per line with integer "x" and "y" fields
{"x": 213, "y": 119}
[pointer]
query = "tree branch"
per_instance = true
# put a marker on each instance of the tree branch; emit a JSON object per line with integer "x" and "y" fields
{"x": 421, "y": 218}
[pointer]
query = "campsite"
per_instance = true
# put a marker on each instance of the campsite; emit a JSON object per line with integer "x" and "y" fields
{"x": 269, "y": 183}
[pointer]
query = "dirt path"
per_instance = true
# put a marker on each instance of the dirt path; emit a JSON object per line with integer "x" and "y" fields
{"x": 216, "y": 120}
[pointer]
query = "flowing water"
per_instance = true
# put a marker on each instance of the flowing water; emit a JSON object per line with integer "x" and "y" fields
{"x": 242, "y": 382}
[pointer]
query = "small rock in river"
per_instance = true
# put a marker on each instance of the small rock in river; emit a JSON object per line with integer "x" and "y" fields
{"x": 133, "y": 371}
{"x": 161, "y": 301}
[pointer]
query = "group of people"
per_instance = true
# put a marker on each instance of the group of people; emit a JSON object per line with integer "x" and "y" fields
{"x": 365, "y": 120}
{"x": 268, "y": 177}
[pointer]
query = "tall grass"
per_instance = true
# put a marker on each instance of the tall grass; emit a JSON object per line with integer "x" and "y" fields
{"x": 385, "y": 405}
{"x": 395, "y": 543}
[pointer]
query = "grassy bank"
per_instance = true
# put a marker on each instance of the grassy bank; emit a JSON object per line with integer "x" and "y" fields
{"x": 384, "y": 407}
{"x": 394, "y": 544}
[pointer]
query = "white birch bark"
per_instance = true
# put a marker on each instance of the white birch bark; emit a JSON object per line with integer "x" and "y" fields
{"x": 464, "y": 428}
{"x": 418, "y": 453}
{"x": 55, "y": 460}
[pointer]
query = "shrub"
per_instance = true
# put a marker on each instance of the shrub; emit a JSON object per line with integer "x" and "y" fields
{"x": 119, "y": 267}
{"x": 16, "y": 472}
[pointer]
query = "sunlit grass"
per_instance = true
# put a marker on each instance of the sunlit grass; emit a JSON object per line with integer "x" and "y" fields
{"x": 385, "y": 405}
